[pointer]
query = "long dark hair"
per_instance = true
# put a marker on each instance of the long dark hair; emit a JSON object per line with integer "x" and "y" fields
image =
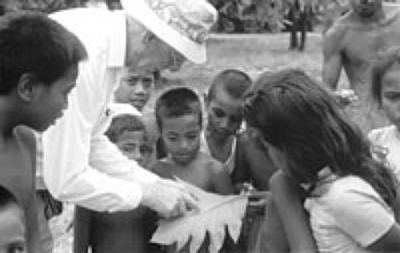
{"x": 303, "y": 121}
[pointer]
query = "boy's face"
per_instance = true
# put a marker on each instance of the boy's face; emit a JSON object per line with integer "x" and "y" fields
{"x": 224, "y": 115}
{"x": 181, "y": 137}
{"x": 390, "y": 95}
{"x": 134, "y": 146}
{"x": 48, "y": 103}
{"x": 366, "y": 8}
{"x": 135, "y": 89}
{"x": 12, "y": 230}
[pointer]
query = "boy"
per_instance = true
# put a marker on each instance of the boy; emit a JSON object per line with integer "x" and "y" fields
{"x": 224, "y": 137}
{"x": 179, "y": 118}
{"x": 13, "y": 225}
{"x": 128, "y": 132}
{"x": 38, "y": 69}
{"x": 105, "y": 232}
{"x": 226, "y": 140}
{"x": 135, "y": 89}
{"x": 223, "y": 103}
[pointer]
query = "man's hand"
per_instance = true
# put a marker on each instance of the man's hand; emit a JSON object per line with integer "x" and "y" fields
{"x": 168, "y": 198}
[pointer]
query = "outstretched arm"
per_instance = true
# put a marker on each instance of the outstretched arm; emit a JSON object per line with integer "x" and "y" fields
{"x": 83, "y": 167}
{"x": 289, "y": 205}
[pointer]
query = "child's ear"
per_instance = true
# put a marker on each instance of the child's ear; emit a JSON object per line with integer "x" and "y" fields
{"x": 27, "y": 86}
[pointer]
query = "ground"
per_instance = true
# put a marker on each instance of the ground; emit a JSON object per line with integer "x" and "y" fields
{"x": 251, "y": 53}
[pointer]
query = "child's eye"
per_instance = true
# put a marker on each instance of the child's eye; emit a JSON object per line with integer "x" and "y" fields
{"x": 219, "y": 113}
{"x": 172, "y": 139}
{"x": 16, "y": 249}
{"x": 236, "y": 119}
{"x": 147, "y": 82}
{"x": 392, "y": 97}
{"x": 192, "y": 137}
{"x": 129, "y": 148}
{"x": 145, "y": 149}
{"x": 131, "y": 81}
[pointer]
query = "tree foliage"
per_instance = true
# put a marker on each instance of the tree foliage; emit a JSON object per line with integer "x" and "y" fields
{"x": 270, "y": 15}
{"x": 47, "y": 6}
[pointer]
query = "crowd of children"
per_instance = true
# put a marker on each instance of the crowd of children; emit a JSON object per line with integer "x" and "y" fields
{"x": 292, "y": 124}
{"x": 333, "y": 188}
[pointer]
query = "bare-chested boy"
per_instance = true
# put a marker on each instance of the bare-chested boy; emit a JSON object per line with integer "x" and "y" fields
{"x": 179, "y": 118}
{"x": 38, "y": 68}
{"x": 352, "y": 43}
{"x": 104, "y": 232}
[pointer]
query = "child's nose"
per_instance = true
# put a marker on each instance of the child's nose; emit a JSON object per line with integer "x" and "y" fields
{"x": 140, "y": 88}
{"x": 184, "y": 144}
{"x": 225, "y": 123}
{"x": 137, "y": 156}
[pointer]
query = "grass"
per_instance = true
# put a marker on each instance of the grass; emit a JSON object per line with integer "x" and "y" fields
{"x": 251, "y": 53}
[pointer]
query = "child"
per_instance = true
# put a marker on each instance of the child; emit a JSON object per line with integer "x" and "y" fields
{"x": 179, "y": 118}
{"x": 38, "y": 68}
{"x": 307, "y": 136}
{"x": 12, "y": 220}
{"x": 135, "y": 89}
{"x": 120, "y": 231}
{"x": 129, "y": 134}
{"x": 224, "y": 115}
{"x": 226, "y": 140}
{"x": 385, "y": 91}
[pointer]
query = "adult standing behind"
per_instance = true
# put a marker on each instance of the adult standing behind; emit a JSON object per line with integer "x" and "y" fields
{"x": 80, "y": 164}
{"x": 353, "y": 43}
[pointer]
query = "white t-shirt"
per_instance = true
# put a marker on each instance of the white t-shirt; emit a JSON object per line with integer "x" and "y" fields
{"x": 389, "y": 139}
{"x": 348, "y": 215}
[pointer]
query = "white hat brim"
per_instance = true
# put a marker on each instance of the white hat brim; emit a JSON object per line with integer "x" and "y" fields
{"x": 140, "y": 11}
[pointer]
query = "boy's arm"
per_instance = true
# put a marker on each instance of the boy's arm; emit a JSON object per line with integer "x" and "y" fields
{"x": 332, "y": 55}
{"x": 240, "y": 173}
{"x": 31, "y": 210}
{"x": 256, "y": 162}
{"x": 82, "y": 229}
{"x": 289, "y": 204}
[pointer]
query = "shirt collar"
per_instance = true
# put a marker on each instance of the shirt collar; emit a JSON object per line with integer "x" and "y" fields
{"x": 117, "y": 50}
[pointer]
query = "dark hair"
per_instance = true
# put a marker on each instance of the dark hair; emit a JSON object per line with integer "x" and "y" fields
{"x": 300, "y": 118}
{"x": 32, "y": 43}
{"x": 123, "y": 123}
{"x": 234, "y": 82}
{"x": 6, "y": 198}
{"x": 177, "y": 102}
{"x": 384, "y": 62}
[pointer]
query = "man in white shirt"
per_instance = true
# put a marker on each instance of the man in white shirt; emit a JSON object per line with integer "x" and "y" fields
{"x": 80, "y": 164}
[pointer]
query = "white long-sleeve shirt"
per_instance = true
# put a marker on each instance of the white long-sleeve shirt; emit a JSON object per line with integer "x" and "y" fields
{"x": 80, "y": 164}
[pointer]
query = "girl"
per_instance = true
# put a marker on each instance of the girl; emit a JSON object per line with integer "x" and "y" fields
{"x": 385, "y": 92}
{"x": 349, "y": 195}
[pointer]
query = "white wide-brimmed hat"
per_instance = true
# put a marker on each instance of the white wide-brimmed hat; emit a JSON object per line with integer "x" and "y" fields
{"x": 183, "y": 24}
